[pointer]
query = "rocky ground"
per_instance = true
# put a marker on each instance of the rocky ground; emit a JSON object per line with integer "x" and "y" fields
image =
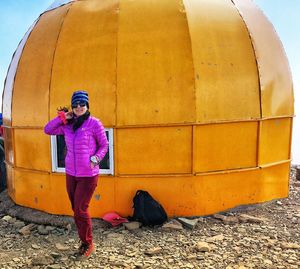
{"x": 264, "y": 236}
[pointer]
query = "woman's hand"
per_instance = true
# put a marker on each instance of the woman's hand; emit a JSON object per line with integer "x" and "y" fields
{"x": 93, "y": 165}
{"x": 94, "y": 160}
{"x": 69, "y": 115}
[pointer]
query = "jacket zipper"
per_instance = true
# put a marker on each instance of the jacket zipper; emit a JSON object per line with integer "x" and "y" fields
{"x": 74, "y": 153}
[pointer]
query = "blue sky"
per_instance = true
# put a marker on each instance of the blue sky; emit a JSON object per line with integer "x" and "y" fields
{"x": 16, "y": 16}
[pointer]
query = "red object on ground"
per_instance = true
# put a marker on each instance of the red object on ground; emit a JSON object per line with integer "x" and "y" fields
{"x": 114, "y": 219}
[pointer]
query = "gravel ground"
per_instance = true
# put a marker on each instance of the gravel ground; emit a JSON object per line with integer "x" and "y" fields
{"x": 264, "y": 236}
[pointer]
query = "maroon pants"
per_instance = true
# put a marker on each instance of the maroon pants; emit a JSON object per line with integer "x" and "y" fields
{"x": 80, "y": 191}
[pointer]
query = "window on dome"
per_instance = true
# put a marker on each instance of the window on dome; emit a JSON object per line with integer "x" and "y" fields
{"x": 58, "y": 148}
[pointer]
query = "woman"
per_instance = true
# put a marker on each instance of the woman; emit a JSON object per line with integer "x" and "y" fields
{"x": 87, "y": 145}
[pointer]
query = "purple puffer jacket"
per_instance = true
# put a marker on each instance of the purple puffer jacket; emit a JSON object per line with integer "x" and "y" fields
{"x": 86, "y": 141}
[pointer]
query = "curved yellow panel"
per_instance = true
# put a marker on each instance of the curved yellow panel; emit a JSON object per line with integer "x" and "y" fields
{"x": 104, "y": 197}
{"x": 158, "y": 150}
{"x": 31, "y": 89}
{"x": 32, "y": 189}
{"x": 48, "y": 193}
{"x": 101, "y": 202}
{"x": 10, "y": 180}
{"x": 204, "y": 195}
{"x": 180, "y": 195}
{"x": 9, "y": 145}
{"x": 155, "y": 69}
{"x": 33, "y": 149}
{"x": 62, "y": 205}
{"x": 225, "y": 146}
{"x": 275, "y": 182}
{"x": 275, "y": 77}
{"x": 85, "y": 58}
{"x": 225, "y": 69}
{"x": 274, "y": 141}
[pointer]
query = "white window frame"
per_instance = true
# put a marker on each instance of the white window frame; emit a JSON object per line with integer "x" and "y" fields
{"x": 110, "y": 171}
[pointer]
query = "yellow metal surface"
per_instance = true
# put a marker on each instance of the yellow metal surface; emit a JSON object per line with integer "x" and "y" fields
{"x": 275, "y": 138}
{"x": 225, "y": 69}
{"x": 101, "y": 202}
{"x": 274, "y": 73}
{"x": 30, "y": 104}
{"x": 180, "y": 196}
{"x": 9, "y": 145}
{"x": 154, "y": 150}
{"x": 85, "y": 58}
{"x": 10, "y": 181}
{"x": 58, "y": 189}
{"x": 203, "y": 195}
{"x": 48, "y": 193}
{"x": 32, "y": 149}
{"x": 275, "y": 182}
{"x": 225, "y": 146}
{"x": 32, "y": 189}
{"x": 155, "y": 67}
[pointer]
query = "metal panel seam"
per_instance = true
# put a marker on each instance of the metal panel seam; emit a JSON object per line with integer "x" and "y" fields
{"x": 13, "y": 145}
{"x": 154, "y": 175}
{"x": 291, "y": 138}
{"x": 192, "y": 149}
{"x": 194, "y": 73}
{"x": 229, "y": 171}
{"x": 259, "y": 127}
{"x": 254, "y": 51}
{"x": 195, "y": 98}
{"x": 274, "y": 163}
{"x": 198, "y": 123}
{"x": 64, "y": 173}
{"x": 116, "y": 79}
{"x": 55, "y": 6}
{"x": 51, "y": 71}
{"x": 50, "y": 164}
{"x": 30, "y": 170}
{"x": 280, "y": 43}
{"x": 115, "y": 188}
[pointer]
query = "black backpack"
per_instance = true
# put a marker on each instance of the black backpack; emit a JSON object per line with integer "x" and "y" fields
{"x": 148, "y": 211}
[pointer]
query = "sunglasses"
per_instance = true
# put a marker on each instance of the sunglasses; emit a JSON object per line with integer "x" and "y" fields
{"x": 81, "y": 104}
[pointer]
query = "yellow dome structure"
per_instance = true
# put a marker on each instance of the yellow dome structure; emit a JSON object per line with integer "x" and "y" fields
{"x": 196, "y": 96}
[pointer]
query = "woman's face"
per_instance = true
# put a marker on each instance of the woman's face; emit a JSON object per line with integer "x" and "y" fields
{"x": 79, "y": 110}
